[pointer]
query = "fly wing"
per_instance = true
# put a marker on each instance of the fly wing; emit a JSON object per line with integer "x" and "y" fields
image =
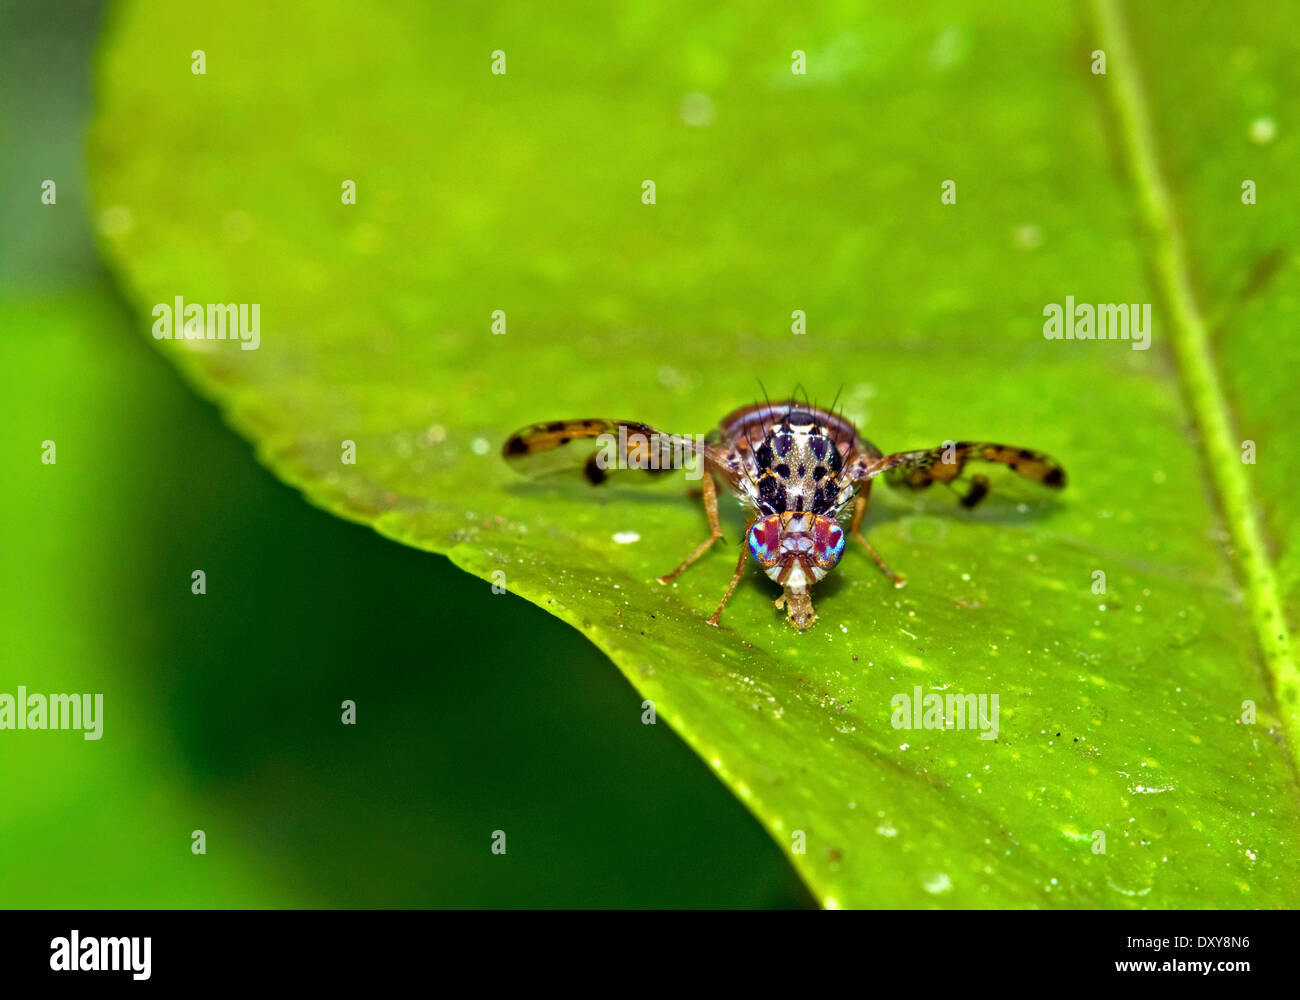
{"x": 598, "y": 446}
{"x": 917, "y": 470}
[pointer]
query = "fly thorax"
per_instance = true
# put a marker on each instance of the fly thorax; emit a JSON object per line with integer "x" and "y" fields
{"x": 797, "y": 469}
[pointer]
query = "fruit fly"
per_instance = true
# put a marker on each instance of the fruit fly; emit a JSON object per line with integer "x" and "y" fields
{"x": 800, "y": 471}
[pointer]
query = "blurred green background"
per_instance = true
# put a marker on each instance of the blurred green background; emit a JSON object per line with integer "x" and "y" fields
{"x": 476, "y": 712}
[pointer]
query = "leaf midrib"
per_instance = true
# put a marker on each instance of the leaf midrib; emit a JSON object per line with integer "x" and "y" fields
{"x": 1166, "y": 256}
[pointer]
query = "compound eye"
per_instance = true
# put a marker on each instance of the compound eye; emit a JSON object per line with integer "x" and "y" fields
{"x": 765, "y": 541}
{"x": 828, "y": 543}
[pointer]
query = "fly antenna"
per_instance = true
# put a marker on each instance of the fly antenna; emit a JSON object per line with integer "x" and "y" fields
{"x": 834, "y": 424}
{"x": 837, "y": 398}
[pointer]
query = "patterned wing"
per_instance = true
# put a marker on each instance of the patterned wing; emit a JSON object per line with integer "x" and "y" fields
{"x": 598, "y": 446}
{"x": 917, "y": 470}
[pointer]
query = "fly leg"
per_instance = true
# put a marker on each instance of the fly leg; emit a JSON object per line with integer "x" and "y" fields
{"x": 740, "y": 570}
{"x": 715, "y": 530}
{"x": 859, "y": 511}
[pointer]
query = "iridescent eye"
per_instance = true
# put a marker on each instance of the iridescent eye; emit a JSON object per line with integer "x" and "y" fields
{"x": 828, "y": 542}
{"x": 765, "y": 540}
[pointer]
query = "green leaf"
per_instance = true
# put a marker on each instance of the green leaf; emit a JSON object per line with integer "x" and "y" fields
{"x": 1121, "y": 713}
